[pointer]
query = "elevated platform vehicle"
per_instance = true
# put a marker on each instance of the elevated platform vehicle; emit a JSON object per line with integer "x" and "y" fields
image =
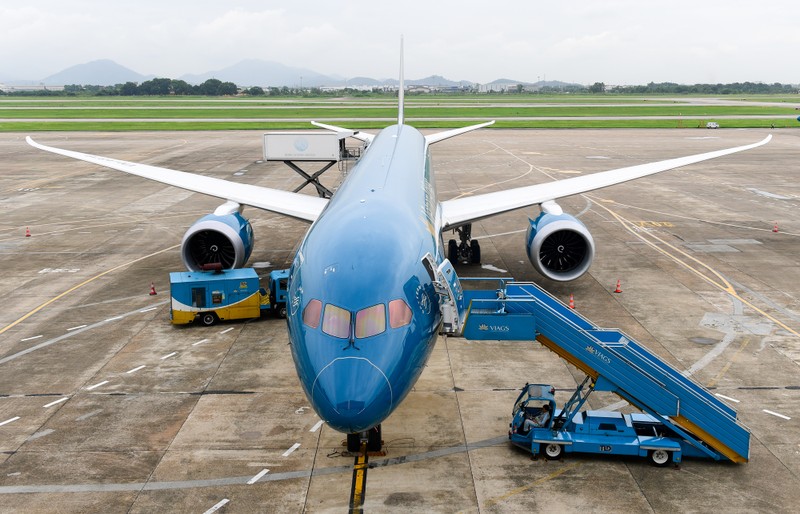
{"x": 686, "y": 417}
{"x": 570, "y": 430}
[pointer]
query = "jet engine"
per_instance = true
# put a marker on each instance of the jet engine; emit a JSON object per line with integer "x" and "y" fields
{"x": 224, "y": 239}
{"x": 559, "y": 246}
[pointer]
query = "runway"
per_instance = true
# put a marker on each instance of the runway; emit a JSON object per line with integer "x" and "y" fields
{"x": 106, "y": 407}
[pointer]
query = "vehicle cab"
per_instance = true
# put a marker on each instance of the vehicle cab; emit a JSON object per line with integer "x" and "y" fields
{"x": 529, "y": 405}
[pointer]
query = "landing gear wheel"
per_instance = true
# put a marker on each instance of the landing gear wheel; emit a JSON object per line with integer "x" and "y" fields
{"x": 475, "y": 254}
{"x": 659, "y": 458}
{"x": 452, "y": 251}
{"x": 374, "y": 441}
{"x": 552, "y": 451}
{"x": 208, "y": 318}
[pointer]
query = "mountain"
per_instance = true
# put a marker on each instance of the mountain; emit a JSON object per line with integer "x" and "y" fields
{"x": 103, "y": 72}
{"x": 438, "y": 80}
{"x": 256, "y": 72}
{"x": 246, "y": 73}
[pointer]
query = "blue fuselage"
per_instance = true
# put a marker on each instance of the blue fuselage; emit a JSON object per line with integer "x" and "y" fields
{"x": 363, "y": 314}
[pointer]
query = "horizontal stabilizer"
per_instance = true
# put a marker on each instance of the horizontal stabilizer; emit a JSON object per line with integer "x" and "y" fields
{"x": 441, "y": 136}
{"x": 362, "y": 136}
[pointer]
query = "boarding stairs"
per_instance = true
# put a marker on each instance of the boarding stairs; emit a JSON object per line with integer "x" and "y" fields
{"x": 615, "y": 362}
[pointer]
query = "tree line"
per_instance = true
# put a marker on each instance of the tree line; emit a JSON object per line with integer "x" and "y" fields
{"x": 671, "y": 88}
{"x": 216, "y": 87}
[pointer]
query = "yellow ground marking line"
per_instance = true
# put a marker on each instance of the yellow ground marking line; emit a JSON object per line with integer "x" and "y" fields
{"x": 723, "y": 285}
{"x": 726, "y": 367}
{"x": 518, "y": 490}
{"x": 87, "y": 281}
{"x": 359, "y": 480}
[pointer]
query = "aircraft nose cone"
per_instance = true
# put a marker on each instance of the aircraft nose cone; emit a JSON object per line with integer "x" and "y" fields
{"x": 352, "y": 394}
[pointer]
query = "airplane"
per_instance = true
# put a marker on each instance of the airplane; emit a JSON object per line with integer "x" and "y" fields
{"x": 365, "y": 286}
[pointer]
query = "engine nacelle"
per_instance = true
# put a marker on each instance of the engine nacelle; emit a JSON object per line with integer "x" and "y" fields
{"x": 227, "y": 240}
{"x": 559, "y": 246}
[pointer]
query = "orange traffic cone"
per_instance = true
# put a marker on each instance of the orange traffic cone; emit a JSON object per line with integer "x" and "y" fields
{"x": 571, "y": 301}
{"x": 775, "y": 228}
{"x": 152, "y": 289}
{"x": 618, "y": 289}
{"x": 28, "y": 231}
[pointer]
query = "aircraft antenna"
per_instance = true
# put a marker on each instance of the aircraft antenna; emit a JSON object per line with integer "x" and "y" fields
{"x": 401, "y": 91}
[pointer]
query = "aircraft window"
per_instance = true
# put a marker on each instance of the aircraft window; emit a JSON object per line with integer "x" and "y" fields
{"x": 336, "y": 321}
{"x": 371, "y": 321}
{"x": 311, "y": 313}
{"x": 399, "y": 314}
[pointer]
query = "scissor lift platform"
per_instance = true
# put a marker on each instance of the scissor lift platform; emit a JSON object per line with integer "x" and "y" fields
{"x": 523, "y": 311}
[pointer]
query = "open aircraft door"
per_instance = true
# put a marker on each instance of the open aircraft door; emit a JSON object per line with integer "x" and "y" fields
{"x": 451, "y": 295}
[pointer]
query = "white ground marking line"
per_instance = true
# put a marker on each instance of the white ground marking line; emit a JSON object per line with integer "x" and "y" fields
{"x": 148, "y": 310}
{"x": 316, "y": 427}
{"x": 226, "y": 330}
{"x": 56, "y": 402}
{"x": 58, "y": 339}
{"x": 726, "y": 397}
{"x": 776, "y": 414}
{"x": 30, "y": 338}
{"x": 6, "y": 422}
{"x": 258, "y": 476}
{"x": 290, "y": 450}
{"x": 615, "y": 406}
{"x": 115, "y": 318}
{"x": 218, "y": 506}
{"x": 89, "y": 415}
{"x": 75, "y": 328}
{"x": 200, "y": 342}
{"x": 134, "y": 370}
{"x": 104, "y": 382}
{"x": 41, "y": 433}
{"x": 167, "y": 356}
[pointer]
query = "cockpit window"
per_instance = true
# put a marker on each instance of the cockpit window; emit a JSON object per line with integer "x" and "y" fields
{"x": 311, "y": 313}
{"x": 399, "y": 314}
{"x": 336, "y": 321}
{"x": 370, "y": 321}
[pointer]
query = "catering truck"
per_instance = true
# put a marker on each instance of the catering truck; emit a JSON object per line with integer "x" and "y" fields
{"x": 221, "y": 295}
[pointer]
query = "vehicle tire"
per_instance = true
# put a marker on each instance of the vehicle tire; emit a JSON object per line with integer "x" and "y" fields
{"x": 208, "y": 318}
{"x": 452, "y": 251}
{"x": 660, "y": 458}
{"x": 282, "y": 311}
{"x": 552, "y": 451}
{"x": 475, "y": 254}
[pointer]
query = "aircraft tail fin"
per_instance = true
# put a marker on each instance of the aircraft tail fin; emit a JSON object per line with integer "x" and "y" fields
{"x": 401, "y": 90}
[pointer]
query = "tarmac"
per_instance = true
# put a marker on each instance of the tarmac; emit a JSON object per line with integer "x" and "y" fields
{"x": 107, "y": 407}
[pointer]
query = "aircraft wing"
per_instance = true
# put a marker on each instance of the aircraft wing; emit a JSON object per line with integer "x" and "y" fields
{"x": 294, "y": 205}
{"x": 465, "y": 210}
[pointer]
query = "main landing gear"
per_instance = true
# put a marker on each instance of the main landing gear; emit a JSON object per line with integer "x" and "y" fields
{"x": 467, "y": 251}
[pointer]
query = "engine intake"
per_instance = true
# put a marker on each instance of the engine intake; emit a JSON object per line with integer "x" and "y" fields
{"x": 559, "y": 246}
{"x": 226, "y": 240}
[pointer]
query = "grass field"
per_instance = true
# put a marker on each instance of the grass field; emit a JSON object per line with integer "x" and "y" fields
{"x": 433, "y": 111}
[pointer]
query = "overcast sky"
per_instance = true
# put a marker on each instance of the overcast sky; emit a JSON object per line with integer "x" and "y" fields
{"x": 611, "y": 41}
